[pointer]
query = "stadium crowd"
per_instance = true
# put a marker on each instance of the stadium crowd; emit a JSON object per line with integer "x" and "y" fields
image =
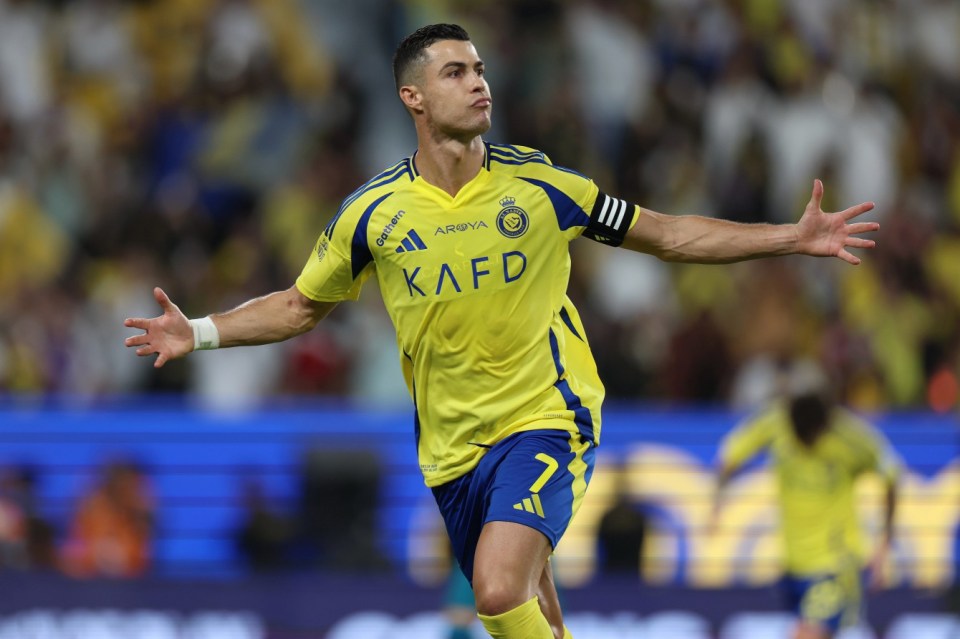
{"x": 202, "y": 145}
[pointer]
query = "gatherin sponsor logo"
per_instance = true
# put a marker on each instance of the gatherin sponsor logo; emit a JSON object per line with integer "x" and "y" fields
{"x": 460, "y": 228}
{"x": 512, "y": 221}
{"x": 385, "y": 233}
{"x": 411, "y": 242}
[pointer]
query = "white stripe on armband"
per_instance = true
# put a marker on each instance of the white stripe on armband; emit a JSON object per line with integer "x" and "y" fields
{"x": 206, "y": 337}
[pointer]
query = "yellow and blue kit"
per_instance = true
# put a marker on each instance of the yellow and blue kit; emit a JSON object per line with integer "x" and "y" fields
{"x": 475, "y": 284}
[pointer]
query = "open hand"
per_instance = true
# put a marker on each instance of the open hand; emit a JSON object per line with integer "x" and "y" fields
{"x": 830, "y": 234}
{"x": 169, "y": 335}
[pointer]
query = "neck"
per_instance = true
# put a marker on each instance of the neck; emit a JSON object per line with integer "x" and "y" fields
{"x": 449, "y": 164}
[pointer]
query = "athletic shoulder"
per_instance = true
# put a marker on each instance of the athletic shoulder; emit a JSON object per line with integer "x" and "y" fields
{"x": 366, "y": 198}
{"x": 867, "y": 446}
{"x": 855, "y": 428}
{"x": 527, "y": 162}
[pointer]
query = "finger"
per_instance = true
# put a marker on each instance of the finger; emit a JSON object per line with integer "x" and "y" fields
{"x": 145, "y": 350}
{"x": 161, "y": 360}
{"x": 817, "y": 194}
{"x": 137, "y": 340}
{"x": 136, "y": 322}
{"x": 847, "y": 256}
{"x": 859, "y": 242}
{"x": 862, "y": 227}
{"x": 162, "y": 299}
{"x": 859, "y": 209}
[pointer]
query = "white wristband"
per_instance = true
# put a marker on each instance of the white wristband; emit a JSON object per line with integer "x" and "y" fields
{"x": 206, "y": 337}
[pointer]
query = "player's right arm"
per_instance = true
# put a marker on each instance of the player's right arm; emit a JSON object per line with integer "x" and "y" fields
{"x": 739, "y": 446}
{"x": 335, "y": 271}
{"x": 263, "y": 320}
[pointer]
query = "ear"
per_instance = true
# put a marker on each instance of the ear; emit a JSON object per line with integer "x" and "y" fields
{"x": 411, "y": 97}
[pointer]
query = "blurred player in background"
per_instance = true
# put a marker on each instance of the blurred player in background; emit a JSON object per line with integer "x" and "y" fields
{"x": 469, "y": 242}
{"x": 818, "y": 450}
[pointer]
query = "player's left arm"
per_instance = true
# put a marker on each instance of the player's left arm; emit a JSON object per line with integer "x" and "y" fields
{"x": 878, "y": 456}
{"x": 884, "y": 546}
{"x": 692, "y": 238}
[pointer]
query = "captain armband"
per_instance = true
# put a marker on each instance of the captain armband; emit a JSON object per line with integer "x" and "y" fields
{"x": 206, "y": 337}
{"x": 610, "y": 220}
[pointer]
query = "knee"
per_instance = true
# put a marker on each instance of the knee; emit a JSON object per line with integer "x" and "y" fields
{"x": 497, "y": 596}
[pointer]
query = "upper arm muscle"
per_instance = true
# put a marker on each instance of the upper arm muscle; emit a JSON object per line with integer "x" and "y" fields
{"x": 311, "y": 311}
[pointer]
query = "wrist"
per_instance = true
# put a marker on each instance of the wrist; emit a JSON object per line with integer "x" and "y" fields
{"x": 796, "y": 239}
{"x": 206, "y": 337}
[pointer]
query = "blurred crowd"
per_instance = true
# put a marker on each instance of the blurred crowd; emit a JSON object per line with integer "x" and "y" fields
{"x": 108, "y": 532}
{"x": 202, "y": 145}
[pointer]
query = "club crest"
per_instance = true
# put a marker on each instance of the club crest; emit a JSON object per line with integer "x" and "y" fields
{"x": 512, "y": 221}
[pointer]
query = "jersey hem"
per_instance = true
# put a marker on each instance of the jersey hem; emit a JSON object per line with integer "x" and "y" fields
{"x": 539, "y": 424}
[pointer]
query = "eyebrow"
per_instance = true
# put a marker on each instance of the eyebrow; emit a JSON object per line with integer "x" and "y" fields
{"x": 461, "y": 65}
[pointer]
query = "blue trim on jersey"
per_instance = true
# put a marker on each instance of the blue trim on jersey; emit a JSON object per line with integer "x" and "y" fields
{"x": 412, "y": 161}
{"x": 569, "y": 213}
{"x": 416, "y": 420}
{"x": 392, "y": 172}
{"x": 511, "y": 160}
{"x": 565, "y": 316}
{"x": 416, "y": 411}
{"x": 511, "y": 151}
{"x": 570, "y": 171}
{"x": 388, "y": 176}
{"x": 360, "y": 254}
{"x": 581, "y": 415}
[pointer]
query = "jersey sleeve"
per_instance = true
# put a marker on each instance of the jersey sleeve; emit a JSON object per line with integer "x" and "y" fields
{"x": 340, "y": 262}
{"x": 876, "y": 453}
{"x": 748, "y": 438}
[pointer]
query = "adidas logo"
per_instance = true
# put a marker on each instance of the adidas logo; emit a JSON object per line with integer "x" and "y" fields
{"x": 411, "y": 242}
{"x": 531, "y": 504}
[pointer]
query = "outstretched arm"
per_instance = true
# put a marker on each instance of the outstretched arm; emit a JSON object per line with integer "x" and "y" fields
{"x": 878, "y": 562}
{"x": 271, "y": 318}
{"x": 691, "y": 238}
{"x": 721, "y": 481}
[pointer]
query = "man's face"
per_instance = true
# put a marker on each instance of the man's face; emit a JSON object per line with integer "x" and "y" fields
{"x": 454, "y": 93}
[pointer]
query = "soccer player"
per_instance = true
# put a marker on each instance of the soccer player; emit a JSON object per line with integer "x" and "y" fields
{"x": 469, "y": 243}
{"x": 818, "y": 450}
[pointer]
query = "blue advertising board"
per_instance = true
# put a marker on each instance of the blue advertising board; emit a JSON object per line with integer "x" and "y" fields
{"x": 199, "y": 462}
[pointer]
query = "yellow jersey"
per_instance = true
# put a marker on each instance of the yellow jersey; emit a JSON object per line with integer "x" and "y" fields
{"x": 475, "y": 285}
{"x": 820, "y": 526}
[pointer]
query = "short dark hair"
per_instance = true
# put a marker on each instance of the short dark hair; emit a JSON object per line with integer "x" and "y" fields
{"x": 810, "y": 416}
{"x": 409, "y": 52}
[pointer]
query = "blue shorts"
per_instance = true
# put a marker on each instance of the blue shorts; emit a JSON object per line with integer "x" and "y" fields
{"x": 535, "y": 478}
{"x": 830, "y": 600}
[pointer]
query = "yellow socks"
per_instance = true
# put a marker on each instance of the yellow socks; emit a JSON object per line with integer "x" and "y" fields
{"x": 523, "y": 622}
